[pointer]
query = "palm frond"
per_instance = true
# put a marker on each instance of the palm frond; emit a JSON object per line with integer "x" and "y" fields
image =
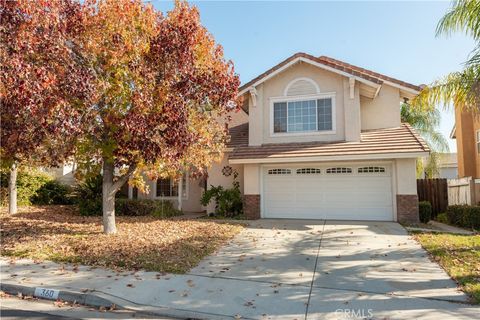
{"x": 435, "y": 140}
{"x": 474, "y": 58}
{"x": 460, "y": 88}
{"x": 432, "y": 165}
{"x": 464, "y": 16}
{"x": 426, "y": 122}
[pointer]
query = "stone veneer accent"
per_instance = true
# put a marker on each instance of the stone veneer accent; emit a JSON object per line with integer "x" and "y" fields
{"x": 251, "y": 206}
{"x": 407, "y": 208}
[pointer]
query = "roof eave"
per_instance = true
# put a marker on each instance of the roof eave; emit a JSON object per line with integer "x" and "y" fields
{"x": 377, "y": 156}
{"x": 312, "y": 62}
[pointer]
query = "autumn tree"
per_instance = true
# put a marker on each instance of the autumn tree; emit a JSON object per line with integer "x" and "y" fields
{"x": 43, "y": 84}
{"x": 161, "y": 83}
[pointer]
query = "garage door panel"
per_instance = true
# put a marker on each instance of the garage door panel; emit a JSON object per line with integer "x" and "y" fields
{"x": 347, "y": 196}
{"x": 308, "y": 184}
{"x": 281, "y": 186}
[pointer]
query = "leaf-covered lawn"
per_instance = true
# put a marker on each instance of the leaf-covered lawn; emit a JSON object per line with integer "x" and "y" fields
{"x": 59, "y": 234}
{"x": 459, "y": 255}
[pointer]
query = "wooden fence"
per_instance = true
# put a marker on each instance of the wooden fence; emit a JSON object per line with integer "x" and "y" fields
{"x": 461, "y": 191}
{"x": 434, "y": 191}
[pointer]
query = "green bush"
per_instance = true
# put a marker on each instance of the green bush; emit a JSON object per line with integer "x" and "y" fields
{"x": 464, "y": 216}
{"x": 228, "y": 202}
{"x": 29, "y": 182}
{"x": 88, "y": 196}
{"x": 145, "y": 207}
{"x": 442, "y": 217}
{"x": 425, "y": 211}
{"x": 53, "y": 192}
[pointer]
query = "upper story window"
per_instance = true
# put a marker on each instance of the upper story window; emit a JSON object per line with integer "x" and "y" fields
{"x": 303, "y": 115}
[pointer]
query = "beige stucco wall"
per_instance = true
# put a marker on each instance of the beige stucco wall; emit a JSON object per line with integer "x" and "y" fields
{"x": 406, "y": 179}
{"x": 328, "y": 82}
{"x": 190, "y": 203}
{"x": 237, "y": 117}
{"x": 216, "y": 177}
{"x": 251, "y": 178}
{"x": 351, "y": 115}
{"x": 383, "y": 111}
{"x": 351, "y": 111}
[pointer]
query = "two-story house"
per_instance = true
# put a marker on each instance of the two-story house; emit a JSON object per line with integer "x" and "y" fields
{"x": 317, "y": 138}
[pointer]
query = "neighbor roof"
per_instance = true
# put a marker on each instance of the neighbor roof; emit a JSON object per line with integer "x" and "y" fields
{"x": 340, "y": 66}
{"x": 400, "y": 140}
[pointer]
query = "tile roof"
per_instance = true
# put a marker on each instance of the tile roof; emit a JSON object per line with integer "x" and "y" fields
{"x": 401, "y": 139}
{"x": 362, "y": 73}
{"x": 334, "y": 63}
{"x": 238, "y": 136}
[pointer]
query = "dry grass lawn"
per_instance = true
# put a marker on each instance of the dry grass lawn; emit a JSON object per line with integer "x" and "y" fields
{"x": 459, "y": 255}
{"x": 59, "y": 234}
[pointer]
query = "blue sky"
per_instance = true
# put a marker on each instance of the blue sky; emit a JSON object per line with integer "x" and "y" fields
{"x": 394, "y": 38}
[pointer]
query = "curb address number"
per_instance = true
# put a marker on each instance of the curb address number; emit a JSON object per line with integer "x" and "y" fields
{"x": 45, "y": 293}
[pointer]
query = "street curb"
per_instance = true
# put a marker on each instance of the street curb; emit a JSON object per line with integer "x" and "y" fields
{"x": 68, "y": 296}
{"x": 95, "y": 300}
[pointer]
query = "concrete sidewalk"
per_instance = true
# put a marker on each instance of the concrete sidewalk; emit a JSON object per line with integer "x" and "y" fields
{"x": 275, "y": 270}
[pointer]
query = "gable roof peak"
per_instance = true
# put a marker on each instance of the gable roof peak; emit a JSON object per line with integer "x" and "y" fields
{"x": 337, "y": 66}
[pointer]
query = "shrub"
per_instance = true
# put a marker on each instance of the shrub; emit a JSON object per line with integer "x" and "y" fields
{"x": 145, "y": 207}
{"x": 88, "y": 196}
{"x": 29, "y": 182}
{"x": 442, "y": 217}
{"x": 228, "y": 202}
{"x": 53, "y": 192}
{"x": 425, "y": 211}
{"x": 464, "y": 216}
{"x": 455, "y": 213}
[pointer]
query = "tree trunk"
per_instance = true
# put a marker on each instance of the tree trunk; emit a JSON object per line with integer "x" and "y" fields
{"x": 108, "y": 198}
{"x": 12, "y": 190}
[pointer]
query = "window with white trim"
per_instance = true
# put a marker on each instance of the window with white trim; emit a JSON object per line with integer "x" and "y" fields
{"x": 279, "y": 171}
{"x": 371, "y": 170}
{"x": 303, "y": 116}
{"x": 168, "y": 187}
{"x": 339, "y": 170}
{"x": 309, "y": 171}
{"x": 478, "y": 141}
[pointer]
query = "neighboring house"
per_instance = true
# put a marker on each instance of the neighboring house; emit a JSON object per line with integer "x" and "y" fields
{"x": 467, "y": 133}
{"x": 317, "y": 139}
{"x": 63, "y": 174}
{"x": 447, "y": 166}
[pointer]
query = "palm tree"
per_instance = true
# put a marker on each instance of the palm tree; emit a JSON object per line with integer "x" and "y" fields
{"x": 426, "y": 122}
{"x": 461, "y": 88}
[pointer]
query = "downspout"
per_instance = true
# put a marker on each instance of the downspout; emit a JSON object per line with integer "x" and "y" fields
{"x": 180, "y": 189}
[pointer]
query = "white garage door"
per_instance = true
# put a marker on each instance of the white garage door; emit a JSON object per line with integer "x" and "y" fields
{"x": 343, "y": 192}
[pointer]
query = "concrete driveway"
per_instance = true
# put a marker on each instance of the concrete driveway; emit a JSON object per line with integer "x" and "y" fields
{"x": 279, "y": 269}
{"x": 335, "y": 269}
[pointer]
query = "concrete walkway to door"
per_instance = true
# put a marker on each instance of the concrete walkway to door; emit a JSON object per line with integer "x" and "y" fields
{"x": 280, "y": 269}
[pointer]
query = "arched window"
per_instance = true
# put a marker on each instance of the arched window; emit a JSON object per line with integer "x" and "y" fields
{"x": 301, "y": 86}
